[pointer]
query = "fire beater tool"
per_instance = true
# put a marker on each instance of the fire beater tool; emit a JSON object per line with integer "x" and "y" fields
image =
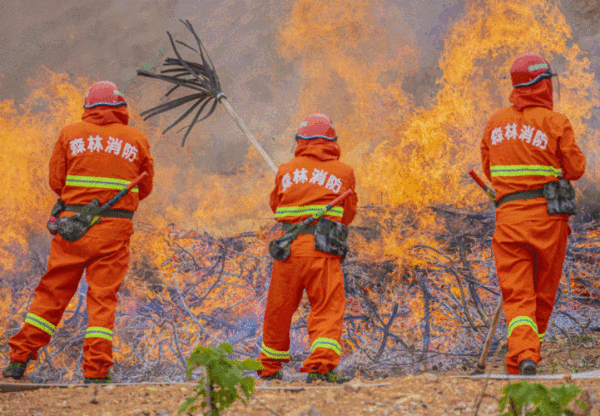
{"x": 279, "y": 248}
{"x": 74, "y": 227}
{"x": 203, "y": 80}
{"x": 480, "y": 368}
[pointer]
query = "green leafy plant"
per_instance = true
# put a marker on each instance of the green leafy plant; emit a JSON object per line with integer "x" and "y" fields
{"x": 546, "y": 402}
{"x": 221, "y": 380}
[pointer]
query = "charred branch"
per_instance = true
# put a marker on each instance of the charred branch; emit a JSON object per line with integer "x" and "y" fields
{"x": 214, "y": 290}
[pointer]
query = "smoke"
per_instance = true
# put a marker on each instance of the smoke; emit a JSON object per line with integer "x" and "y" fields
{"x": 110, "y": 40}
{"x": 264, "y": 81}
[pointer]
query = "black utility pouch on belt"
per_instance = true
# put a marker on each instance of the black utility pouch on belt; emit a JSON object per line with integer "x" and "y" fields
{"x": 330, "y": 237}
{"x": 560, "y": 198}
{"x": 74, "y": 227}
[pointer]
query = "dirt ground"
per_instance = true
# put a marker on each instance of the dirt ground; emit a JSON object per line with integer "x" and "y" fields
{"x": 430, "y": 393}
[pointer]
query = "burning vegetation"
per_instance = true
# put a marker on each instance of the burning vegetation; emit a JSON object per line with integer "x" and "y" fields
{"x": 420, "y": 278}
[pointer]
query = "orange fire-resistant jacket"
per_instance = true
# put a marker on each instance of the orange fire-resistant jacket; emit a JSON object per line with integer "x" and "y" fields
{"x": 308, "y": 183}
{"x": 303, "y": 186}
{"x": 524, "y": 147}
{"x": 98, "y": 157}
{"x": 528, "y": 145}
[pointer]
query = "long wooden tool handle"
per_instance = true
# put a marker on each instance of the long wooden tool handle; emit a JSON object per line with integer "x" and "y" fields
{"x": 490, "y": 336}
{"x": 249, "y": 135}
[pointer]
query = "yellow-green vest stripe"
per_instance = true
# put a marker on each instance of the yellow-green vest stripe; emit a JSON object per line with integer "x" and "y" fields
{"x": 98, "y": 182}
{"x": 541, "y": 337}
{"x": 525, "y": 170}
{"x": 307, "y": 210}
{"x": 99, "y": 332}
{"x": 522, "y": 320}
{"x": 326, "y": 343}
{"x": 40, "y": 323}
{"x": 278, "y": 355}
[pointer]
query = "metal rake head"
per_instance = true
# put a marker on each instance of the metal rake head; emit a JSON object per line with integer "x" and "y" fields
{"x": 200, "y": 77}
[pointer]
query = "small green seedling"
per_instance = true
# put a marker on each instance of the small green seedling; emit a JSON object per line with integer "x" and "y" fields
{"x": 224, "y": 376}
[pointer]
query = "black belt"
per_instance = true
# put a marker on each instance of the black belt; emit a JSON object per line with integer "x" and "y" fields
{"x": 517, "y": 196}
{"x": 109, "y": 213}
{"x": 286, "y": 226}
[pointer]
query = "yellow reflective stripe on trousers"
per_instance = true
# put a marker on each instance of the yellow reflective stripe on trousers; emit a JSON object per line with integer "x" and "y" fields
{"x": 522, "y": 320}
{"x": 307, "y": 210}
{"x": 525, "y": 170}
{"x": 278, "y": 355}
{"x": 326, "y": 343}
{"x": 99, "y": 332}
{"x": 98, "y": 182}
{"x": 40, "y": 323}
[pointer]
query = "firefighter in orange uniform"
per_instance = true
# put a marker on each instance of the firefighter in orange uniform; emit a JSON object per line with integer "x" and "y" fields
{"x": 303, "y": 186}
{"x": 529, "y": 154}
{"x": 94, "y": 158}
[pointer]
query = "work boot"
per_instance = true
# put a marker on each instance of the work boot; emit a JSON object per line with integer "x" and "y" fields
{"x": 277, "y": 376}
{"x": 329, "y": 377}
{"x": 16, "y": 369}
{"x": 527, "y": 368}
{"x": 99, "y": 380}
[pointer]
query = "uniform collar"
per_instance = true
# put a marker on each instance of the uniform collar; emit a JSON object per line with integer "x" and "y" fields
{"x": 104, "y": 114}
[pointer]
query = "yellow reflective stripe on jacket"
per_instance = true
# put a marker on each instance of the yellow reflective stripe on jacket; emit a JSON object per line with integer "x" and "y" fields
{"x": 307, "y": 210}
{"x": 98, "y": 182}
{"x": 522, "y": 320}
{"x": 541, "y": 337}
{"x": 278, "y": 355}
{"x": 99, "y": 332}
{"x": 525, "y": 170}
{"x": 326, "y": 343}
{"x": 40, "y": 323}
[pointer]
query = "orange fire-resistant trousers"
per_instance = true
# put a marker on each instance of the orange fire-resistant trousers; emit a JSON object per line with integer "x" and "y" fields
{"x": 105, "y": 262}
{"x": 323, "y": 280}
{"x": 529, "y": 260}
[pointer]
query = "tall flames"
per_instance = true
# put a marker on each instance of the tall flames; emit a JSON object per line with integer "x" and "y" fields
{"x": 420, "y": 278}
{"x": 29, "y": 131}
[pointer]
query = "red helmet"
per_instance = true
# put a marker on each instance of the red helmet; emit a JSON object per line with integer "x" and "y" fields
{"x": 316, "y": 126}
{"x": 529, "y": 69}
{"x": 103, "y": 93}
